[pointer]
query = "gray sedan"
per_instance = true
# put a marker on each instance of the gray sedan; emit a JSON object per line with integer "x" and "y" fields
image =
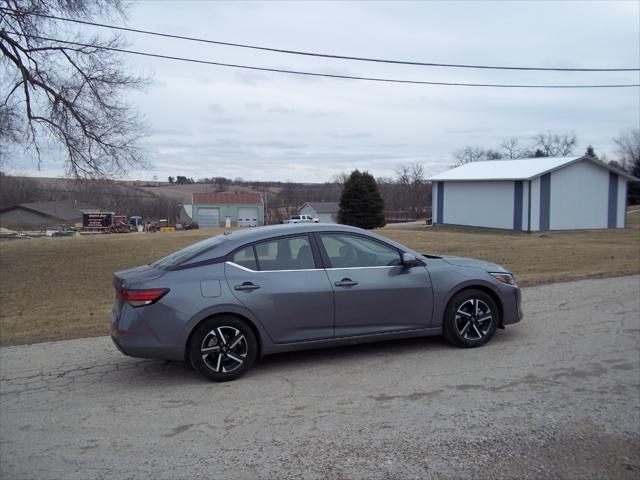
{"x": 225, "y": 301}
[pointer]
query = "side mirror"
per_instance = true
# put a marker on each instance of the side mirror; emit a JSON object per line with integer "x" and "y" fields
{"x": 409, "y": 260}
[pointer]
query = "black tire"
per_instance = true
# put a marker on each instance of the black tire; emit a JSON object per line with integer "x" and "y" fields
{"x": 223, "y": 348}
{"x": 471, "y": 319}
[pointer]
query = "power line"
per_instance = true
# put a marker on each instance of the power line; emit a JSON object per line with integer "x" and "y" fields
{"x": 325, "y": 75}
{"x": 325, "y": 55}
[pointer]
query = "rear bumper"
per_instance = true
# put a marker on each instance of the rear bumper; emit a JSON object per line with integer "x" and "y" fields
{"x": 133, "y": 337}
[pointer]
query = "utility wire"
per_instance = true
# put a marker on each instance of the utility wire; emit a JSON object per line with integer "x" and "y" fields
{"x": 324, "y": 55}
{"x": 316, "y": 74}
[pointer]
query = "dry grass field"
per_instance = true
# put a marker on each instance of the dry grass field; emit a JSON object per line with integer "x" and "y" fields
{"x": 537, "y": 258}
{"x": 60, "y": 288}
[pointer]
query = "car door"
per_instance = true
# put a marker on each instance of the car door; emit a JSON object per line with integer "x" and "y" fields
{"x": 280, "y": 283}
{"x": 373, "y": 292}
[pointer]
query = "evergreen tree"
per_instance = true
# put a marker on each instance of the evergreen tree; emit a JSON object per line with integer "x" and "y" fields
{"x": 628, "y": 152}
{"x": 361, "y": 204}
{"x": 591, "y": 152}
{"x": 539, "y": 153}
{"x": 633, "y": 189}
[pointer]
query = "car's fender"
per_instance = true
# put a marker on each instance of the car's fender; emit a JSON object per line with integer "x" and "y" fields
{"x": 226, "y": 308}
{"x": 446, "y": 286}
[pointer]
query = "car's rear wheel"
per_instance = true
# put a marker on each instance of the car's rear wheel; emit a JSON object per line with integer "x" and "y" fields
{"x": 223, "y": 348}
{"x": 471, "y": 319}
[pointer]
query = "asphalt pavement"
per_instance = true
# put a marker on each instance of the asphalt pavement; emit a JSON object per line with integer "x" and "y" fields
{"x": 556, "y": 396}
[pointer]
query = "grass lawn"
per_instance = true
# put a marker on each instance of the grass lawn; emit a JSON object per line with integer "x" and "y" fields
{"x": 60, "y": 288}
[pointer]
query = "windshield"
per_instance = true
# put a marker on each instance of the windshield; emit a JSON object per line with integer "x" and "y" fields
{"x": 181, "y": 256}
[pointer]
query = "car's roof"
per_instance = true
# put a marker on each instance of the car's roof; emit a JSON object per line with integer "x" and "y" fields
{"x": 260, "y": 233}
{"x": 238, "y": 238}
{"x": 212, "y": 247}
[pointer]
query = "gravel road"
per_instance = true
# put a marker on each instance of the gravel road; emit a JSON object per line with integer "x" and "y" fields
{"x": 557, "y": 396}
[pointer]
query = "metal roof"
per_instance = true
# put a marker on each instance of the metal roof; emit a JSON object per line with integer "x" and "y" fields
{"x": 518, "y": 169}
{"x": 228, "y": 198}
{"x": 63, "y": 210}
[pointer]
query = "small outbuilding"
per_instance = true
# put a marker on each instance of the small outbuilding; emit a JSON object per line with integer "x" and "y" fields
{"x": 235, "y": 209}
{"x": 532, "y": 194}
{"x": 325, "y": 212}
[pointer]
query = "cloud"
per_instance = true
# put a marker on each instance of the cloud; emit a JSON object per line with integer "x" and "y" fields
{"x": 349, "y": 136}
{"x": 270, "y": 126}
{"x": 214, "y": 108}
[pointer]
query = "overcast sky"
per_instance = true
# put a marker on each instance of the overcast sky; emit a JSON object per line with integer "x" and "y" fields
{"x": 207, "y": 121}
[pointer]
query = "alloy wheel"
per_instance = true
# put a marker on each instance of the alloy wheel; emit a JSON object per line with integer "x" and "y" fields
{"x": 224, "y": 349}
{"x": 473, "y": 319}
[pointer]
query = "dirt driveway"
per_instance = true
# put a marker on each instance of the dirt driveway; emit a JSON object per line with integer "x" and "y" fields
{"x": 556, "y": 396}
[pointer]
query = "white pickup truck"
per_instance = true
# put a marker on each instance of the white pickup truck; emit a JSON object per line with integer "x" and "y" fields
{"x": 301, "y": 219}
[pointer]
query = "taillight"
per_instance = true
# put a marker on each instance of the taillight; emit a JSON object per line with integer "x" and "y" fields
{"x": 140, "y": 298}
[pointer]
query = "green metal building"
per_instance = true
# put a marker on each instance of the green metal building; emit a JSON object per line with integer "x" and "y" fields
{"x": 234, "y": 209}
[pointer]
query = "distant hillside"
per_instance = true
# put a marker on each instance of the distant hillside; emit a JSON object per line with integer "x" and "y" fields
{"x": 156, "y": 199}
{"x": 40, "y": 189}
{"x": 121, "y": 197}
{"x": 163, "y": 199}
{"x": 183, "y": 192}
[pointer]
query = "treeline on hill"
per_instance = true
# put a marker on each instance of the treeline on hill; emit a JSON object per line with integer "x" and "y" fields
{"x": 104, "y": 194}
{"x": 408, "y": 193}
{"x": 406, "y": 196}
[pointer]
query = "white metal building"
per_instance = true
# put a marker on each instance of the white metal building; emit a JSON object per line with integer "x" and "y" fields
{"x": 532, "y": 194}
{"x": 325, "y": 212}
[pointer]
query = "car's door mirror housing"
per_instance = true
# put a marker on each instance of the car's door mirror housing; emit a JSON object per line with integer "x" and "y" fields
{"x": 409, "y": 260}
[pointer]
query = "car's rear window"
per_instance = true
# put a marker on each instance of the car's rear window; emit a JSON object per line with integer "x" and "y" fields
{"x": 192, "y": 251}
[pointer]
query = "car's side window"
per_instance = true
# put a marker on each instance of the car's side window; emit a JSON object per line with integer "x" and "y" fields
{"x": 292, "y": 253}
{"x": 245, "y": 258}
{"x": 349, "y": 251}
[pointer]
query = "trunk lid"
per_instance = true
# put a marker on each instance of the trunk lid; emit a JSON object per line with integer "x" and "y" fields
{"x": 132, "y": 278}
{"x": 126, "y": 278}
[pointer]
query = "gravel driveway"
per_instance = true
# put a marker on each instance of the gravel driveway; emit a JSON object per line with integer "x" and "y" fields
{"x": 557, "y": 396}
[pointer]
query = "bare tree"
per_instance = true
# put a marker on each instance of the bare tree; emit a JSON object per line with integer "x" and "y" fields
{"x": 511, "y": 148}
{"x": 413, "y": 181}
{"x": 404, "y": 174}
{"x": 556, "y": 144}
{"x": 491, "y": 154}
{"x": 9, "y": 127}
{"x": 221, "y": 183}
{"x": 340, "y": 178}
{"x": 68, "y": 92}
{"x": 628, "y": 148}
{"x": 15, "y": 190}
{"x": 468, "y": 154}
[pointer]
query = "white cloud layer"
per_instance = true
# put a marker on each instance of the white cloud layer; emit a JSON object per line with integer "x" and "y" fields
{"x": 211, "y": 121}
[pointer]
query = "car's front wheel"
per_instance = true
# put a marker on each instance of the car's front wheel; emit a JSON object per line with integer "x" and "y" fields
{"x": 223, "y": 348}
{"x": 471, "y": 319}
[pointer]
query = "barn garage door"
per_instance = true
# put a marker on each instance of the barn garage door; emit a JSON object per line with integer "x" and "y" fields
{"x": 247, "y": 216}
{"x": 326, "y": 218}
{"x": 208, "y": 217}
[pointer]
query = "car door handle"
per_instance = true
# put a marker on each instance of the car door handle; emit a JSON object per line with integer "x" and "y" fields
{"x": 247, "y": 286}
{"x": 345, "y": 282}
